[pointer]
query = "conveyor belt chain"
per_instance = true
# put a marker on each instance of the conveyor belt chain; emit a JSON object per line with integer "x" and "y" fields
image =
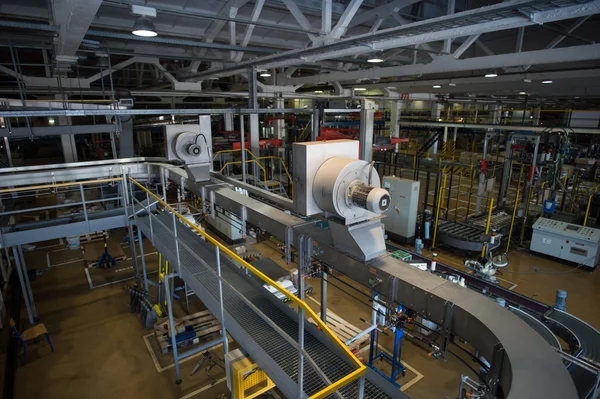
{"x": 265, "y": 327}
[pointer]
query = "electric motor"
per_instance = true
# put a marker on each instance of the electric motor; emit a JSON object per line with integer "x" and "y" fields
{"x": 371, "y": 198}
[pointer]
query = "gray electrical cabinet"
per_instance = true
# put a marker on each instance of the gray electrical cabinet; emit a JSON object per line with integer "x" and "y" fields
{"x": 566, "y": 241}
{"x": 401, "y": 217}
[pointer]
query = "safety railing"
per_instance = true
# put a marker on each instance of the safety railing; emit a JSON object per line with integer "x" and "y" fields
{"x": 226, "y": 166}
{"x": 255, "y": 159}
{"x": 81, "y": 206}
{"x": 331, "y": 386}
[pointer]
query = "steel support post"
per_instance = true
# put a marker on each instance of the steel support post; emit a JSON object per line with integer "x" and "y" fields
{"x": 446, "y": 329}
{"x": 243, "y": 138}
{"x": 367, "y": 117}
{"x": 176, "y": 242}
{"x": 228, "y": 119}
{"x": 126, "y": 139}
{"x": 254, "y": 135}
{"x": 481, "y": 185}
{"x": 85, "y": 214}
{"x": 136, "y": 267}
{"x": 8, "y": 153}
{"x": 394, "y": 118}
{"x": 172, "y": 326}
{"x": 506, "y": 173}
{"x": 316, "y": 124}
{"x": 324, "y": 295}
{"x": 23, "y": 287}
{"x": 142, "y": 257}
{"x": 147, "y": 207}
{"x": 252, "y": 88}
{"x": 28, "y": 283}
{"x": 301, "y": 260}
{"x": 221, "y": 310}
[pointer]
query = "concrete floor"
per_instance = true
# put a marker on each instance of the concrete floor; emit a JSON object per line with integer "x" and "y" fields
{"x": 100, "y": 350}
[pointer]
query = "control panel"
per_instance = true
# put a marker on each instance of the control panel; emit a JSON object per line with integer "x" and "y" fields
{"x": 566, "y": 241}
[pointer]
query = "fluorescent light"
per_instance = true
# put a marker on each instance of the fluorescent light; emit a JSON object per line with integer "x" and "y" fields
{"x": 439, "y": 120}
{"x": 391, "y": 87}
{"x": 437, "y": 86}
{"x": 318, "y": 91}
{"x": 522, "y": 93}
{"x": 491, "y": 75}
{"x": 547, "y": 81}
{"x": 51, "y": 121}
{"x": 576, "y": 96}
{"x": 452, "y": 84}
{"x": 161, "y": 118}
{"x": 375, "y": 60}
{"x": 265, "y": 74}
{"x": 360, "y": 89}
{"x": 527, "y": 80}
{"x": 144, "y": 27}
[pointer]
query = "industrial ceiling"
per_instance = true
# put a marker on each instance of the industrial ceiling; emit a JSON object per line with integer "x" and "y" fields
{"x": 205, "y": 48}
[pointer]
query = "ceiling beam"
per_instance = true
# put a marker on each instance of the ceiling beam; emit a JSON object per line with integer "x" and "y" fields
{"x": 383, "y": 11}
{"x": 344, "y": 21}
{"x": 299, "y": 17}
{"x": 258, "y": 6}
{"x": 73, "y": 18}
{"x": 326, "y": 17}
{"x": 448, "y": 64}
{"x": 465, "y": 45}
{"x": 568, "y": 31}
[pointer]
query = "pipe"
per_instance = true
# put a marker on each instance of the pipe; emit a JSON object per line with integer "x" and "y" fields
{"x": 512, "y": 222}
{"x": 437, "y": 214}
{"x": 487, "y": 225}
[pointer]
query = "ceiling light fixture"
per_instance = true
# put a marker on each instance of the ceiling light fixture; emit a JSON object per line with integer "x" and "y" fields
{"x": 452, "y": 84}
{"x": 265, "y": 74}
{"x": 522, "y": 93}
{"x": 144, "y": 27}
{"x": 318, "y": 91}
{"x": 437, "y": 86}
{"x": 547, "y": 81}
{"x": 527, "y": 80}
{"x": 360, "y": 89}
{"x": 491, "y": 75}
{"x": 374, "y": 59}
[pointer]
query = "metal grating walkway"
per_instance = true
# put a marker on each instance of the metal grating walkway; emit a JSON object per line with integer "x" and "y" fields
{"x": 253, "y": 330}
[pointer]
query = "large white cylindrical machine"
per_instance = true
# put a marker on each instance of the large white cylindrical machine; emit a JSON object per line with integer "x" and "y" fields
{"x": 349, "y": 188}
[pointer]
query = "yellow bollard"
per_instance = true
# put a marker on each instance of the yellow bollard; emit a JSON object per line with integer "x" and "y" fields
{"x": 437, "y": 213}
{"x": 487, "y": 225}
{"x": 587, "y": 211}
{"x": 512, "y": 221}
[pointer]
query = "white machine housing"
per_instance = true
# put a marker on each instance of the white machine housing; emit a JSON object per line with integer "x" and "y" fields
{"x": 566, "y": 241}
{"x": 329, "y": 178}
{"x": 401, "y": 217}
{"x": 191, "y": 144}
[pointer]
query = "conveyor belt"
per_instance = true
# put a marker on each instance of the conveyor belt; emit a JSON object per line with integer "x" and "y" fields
{"x": 538, "y": 326}
{"x": 268, "y": 348}
{"x": 589, "y": 339}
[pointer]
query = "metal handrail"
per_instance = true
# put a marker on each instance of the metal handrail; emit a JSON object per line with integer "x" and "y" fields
{"x": 247, "y": 161}
{"x": 11, "y": 190}
{"x": 361, "y": 368}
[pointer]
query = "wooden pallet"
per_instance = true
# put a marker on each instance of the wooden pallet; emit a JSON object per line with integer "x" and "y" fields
{"x": 96, "y": 236}
{"x": 206, "y": 325}
{"x": 345, "y": 331}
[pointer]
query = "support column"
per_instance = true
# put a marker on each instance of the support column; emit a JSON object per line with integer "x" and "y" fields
{"x": 481, "y": 184}
{"x": 395, "y": 118}
{"x": 434, "y": 146}
{"x": 252, "y": 88}
{"x": 23, "y": 287}
{"x": 279, "y": 123}
{"x": 324, "y": 295}
{"x": 28, "y": 284}
{"x": 228, "y": 122}
{"x": 445, "y": 142}
{"x": 367, "y": 117}
{"x": 436, "y": 111}
{"x": 536, "y": 116}
{"x": 8, "y": 153}
{"x": 67, "y": 140}
{"x": 126, "y": 147}
{"x": 316, "y": 124}
{"x": 495, "y": 114}
{"x": 254, "y": 135}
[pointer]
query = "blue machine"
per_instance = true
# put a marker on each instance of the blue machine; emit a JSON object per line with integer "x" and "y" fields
{"x": 397, "y": 328}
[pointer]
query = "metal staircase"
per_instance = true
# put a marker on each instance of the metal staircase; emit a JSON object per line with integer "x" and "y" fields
{"x": 269, "y": 330}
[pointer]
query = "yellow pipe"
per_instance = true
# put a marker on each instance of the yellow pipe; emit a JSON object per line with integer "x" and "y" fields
{"x": 472, "y": 173}
{"x": 437, "y": 213}
{"x": 512, "y": 221}
{"x": 361, "y": 368}
{"x": 12, "y": 190}
{"x": 487, "y": 224}
{"x": 587, "y": 211}
{"x": 526, "y": 214}
{"x": 457, "y": 196}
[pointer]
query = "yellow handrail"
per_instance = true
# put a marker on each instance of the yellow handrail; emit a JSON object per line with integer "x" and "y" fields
{"x": 247, "y": 161}
{"x": 361, "y": 368}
